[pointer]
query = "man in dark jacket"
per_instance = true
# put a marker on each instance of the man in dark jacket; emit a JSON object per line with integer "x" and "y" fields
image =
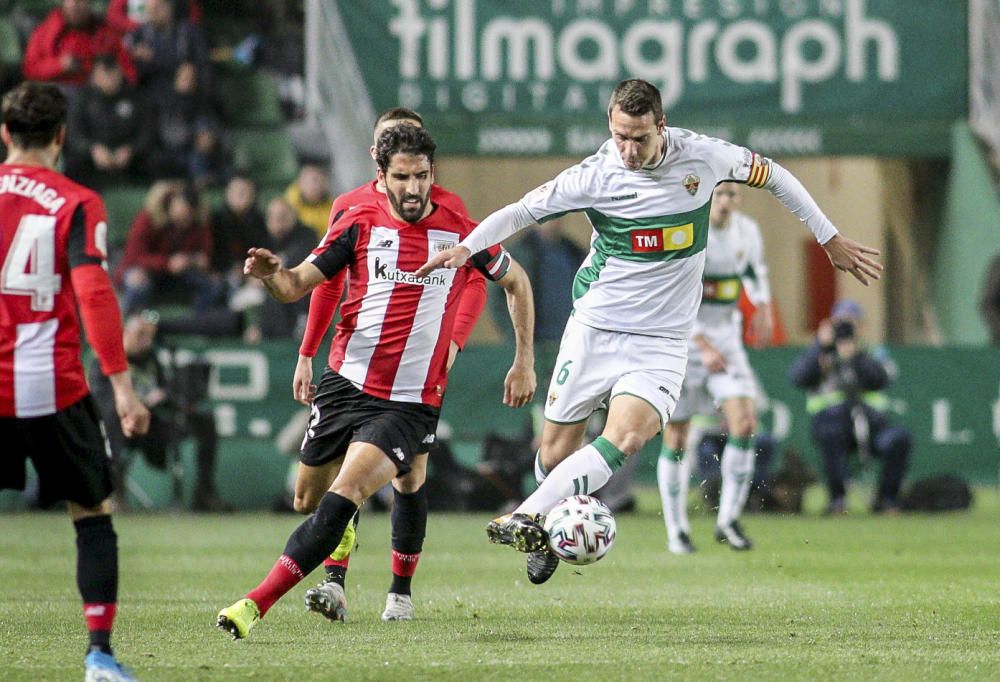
{"x": 849, "y": 411}
{"x": 176, "y": 414}
{"x": 292, "y": 242}
{"x": 110, "y": 125}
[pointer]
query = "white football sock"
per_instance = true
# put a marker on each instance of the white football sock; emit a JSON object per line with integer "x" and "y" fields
{"x": 673, "y": 477}
{"x": 737, "y": 474}
{"x": 540, "y": 472}
{"x": 582, "y": 473}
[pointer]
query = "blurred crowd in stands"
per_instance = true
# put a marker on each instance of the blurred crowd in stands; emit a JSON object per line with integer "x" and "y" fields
{"x": 157, "y": 119}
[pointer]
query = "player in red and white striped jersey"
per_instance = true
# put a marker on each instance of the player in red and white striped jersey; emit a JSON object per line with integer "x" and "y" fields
{"x": 409, "y": 506}
{"x": 377, "y": 405}
{"x": 52, "y": 250}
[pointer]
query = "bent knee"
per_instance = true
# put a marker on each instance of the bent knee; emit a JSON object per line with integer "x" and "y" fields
{"x": 744, "y": 427}
{"x": 410, "y": 483}
{"x": 305, "y": 504}
{"x": 631, "y": 442}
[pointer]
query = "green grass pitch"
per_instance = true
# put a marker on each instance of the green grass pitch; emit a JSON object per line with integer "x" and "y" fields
{"x": 854, "y": 598}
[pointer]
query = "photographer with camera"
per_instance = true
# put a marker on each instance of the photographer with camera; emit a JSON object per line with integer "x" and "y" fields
{"x": 173, "y": 399}
{"x": 849, "y": 412}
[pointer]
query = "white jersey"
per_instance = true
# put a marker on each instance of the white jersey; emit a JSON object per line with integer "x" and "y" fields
{"x": 643, "y": 274}
{"x": 734, "y": 259}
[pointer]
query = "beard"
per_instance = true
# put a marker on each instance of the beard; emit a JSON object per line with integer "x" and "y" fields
{"x": 411, "y": 213}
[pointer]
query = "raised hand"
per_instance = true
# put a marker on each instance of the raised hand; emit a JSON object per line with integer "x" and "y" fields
{"x": 261, "y": 263}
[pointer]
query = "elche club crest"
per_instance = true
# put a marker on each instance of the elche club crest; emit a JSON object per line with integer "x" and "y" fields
{"x": 691, "y": 183}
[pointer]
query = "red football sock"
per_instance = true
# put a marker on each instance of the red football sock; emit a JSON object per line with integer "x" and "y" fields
{"x": 100, "y": 619}
{"x": 404, "y": 565}
{"x": 284, "y": 575}
{"x": 328, "y": 562}
{"x": 403, "y": 568}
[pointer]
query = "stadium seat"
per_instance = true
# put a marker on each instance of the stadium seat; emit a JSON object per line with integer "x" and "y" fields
{"x": 248, "y": 98}
{"x": 39, "y": 8}
{"x": 123, "y": 203}
{"x": 267, "y": 156}
{"x": 10, "y": 46}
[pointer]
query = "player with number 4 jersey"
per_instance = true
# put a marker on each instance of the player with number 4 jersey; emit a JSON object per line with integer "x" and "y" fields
{"x": 52, "y": 253}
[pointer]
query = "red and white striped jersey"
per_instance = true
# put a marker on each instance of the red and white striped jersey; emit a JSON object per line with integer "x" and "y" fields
{"x": 395, "y": 329}
{"x": 48, "y": 225}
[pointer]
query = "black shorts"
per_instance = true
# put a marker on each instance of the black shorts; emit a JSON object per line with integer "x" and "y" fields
{"x": 342, "y": 414}
{"x": 69, "y": 452}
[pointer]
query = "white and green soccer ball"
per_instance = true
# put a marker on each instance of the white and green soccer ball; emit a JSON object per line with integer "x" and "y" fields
{"x": 581, "y": 529}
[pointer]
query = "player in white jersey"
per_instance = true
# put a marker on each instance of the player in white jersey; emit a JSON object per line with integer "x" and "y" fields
{"x": 647, "y": 192}
{"x": 718, "y": 373}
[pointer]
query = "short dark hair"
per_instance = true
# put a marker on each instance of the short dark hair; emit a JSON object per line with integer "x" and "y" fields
{"x": 403, "y": 139}
{"x": 33, "y": 113}
{"x": 397, "y": 114}
{"x": 637, "y": 97}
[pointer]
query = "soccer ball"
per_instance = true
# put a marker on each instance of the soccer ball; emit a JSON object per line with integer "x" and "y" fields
{"x": 581, "y": 529}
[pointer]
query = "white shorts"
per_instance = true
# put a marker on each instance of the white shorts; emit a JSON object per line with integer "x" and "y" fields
{"x": 703, "y": 392}
{"x": 594, "y": 366}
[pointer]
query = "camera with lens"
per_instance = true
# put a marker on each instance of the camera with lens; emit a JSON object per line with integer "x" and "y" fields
{"x": 843, "y": 330}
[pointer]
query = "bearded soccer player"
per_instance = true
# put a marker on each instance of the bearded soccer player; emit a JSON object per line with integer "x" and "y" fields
{"x": 718, "y": 373}
{"x": 53, "y": 251}
{"x": 647, "y": 193}
{"x": 409, "y": 507}
{"x": 377, "y": 405}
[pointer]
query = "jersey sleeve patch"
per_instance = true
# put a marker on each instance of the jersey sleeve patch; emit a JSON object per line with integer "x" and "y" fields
{"x": 493, "y": 262}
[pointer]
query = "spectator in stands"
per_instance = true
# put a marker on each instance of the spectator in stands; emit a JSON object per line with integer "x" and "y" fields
{"x": 169, "y": 250}
{"x": 236, "y": 226}
{"x": 127, "y": 15}
{"x": 310, "y": 196}
{"x": 850, "y": 413}
{"x": 181, "y": 111}
{"x": 63, "y": 47}
{"x": 989, "y": 302}
{"x": 176, "y": 413}
{"x": 163, "y": 44}
{"x": 292, "y": 242}
{"x": 209, "y": 164}
{"x": 110, "y": 128}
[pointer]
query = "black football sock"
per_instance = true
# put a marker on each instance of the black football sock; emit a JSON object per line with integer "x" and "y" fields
{"x": 409, "y": 527}
{"x": 97, "y": 577}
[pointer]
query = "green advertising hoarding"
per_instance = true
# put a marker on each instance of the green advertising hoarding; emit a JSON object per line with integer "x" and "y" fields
{"x": 525, "y": 77}
{"x": 949, "y": 398}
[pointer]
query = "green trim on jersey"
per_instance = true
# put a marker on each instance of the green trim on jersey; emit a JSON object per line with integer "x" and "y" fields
{"x": 721, "y": 289}
{"x": 588, "y": 274}
{"x": 615, "y": 235}
{"x": 554, "y": 216}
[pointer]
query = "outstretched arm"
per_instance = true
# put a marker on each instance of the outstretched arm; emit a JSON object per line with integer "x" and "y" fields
{"x": 495, "y": 227}
{"x": 286, "y": 286}
{"x": 519, "y": 385}
{"x": 845, "y": 254}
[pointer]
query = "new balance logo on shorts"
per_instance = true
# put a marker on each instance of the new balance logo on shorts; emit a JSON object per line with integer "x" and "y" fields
{"x": 399, "y": 454}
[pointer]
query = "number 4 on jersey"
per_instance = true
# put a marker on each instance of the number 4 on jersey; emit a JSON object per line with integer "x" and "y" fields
{"x": 30, "y": 266}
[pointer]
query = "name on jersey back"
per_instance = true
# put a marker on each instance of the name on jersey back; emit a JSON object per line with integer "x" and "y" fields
{"x": 30, "y": 188}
